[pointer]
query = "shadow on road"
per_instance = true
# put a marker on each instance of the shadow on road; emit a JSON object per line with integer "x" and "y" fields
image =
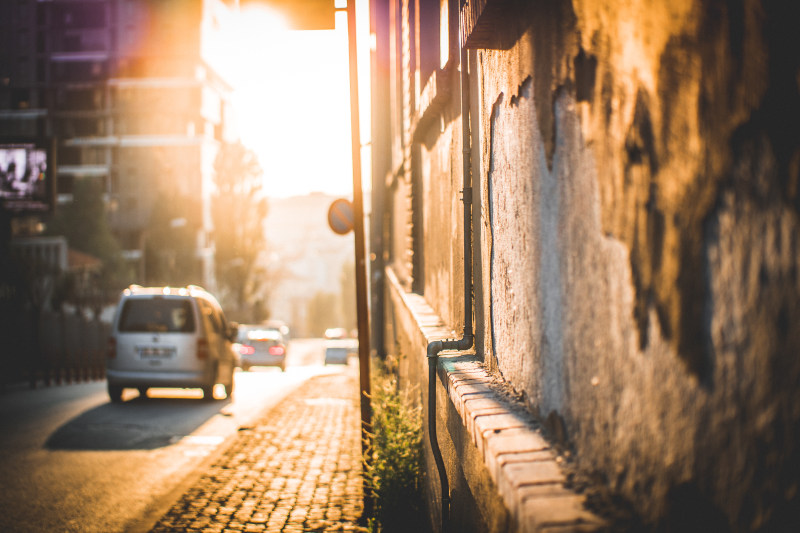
{"x": 137, "y": 424}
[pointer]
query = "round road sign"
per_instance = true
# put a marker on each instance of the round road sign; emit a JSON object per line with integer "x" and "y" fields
{"x": 340, "y": 216}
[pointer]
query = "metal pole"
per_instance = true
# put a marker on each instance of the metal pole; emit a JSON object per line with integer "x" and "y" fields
{"x": 362, "y": 309}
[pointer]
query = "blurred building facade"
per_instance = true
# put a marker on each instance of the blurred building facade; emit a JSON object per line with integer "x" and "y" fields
{"x": 632, "y": 183}
{"x": 127, "y": 89}
{"x": 304, "y": 258}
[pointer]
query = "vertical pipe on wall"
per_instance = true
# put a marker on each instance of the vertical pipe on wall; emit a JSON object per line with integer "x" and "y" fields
{"x": 466, "y": 341}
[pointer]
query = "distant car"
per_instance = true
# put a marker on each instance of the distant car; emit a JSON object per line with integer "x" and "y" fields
{"x": 169, "y": 337}
{"x": 336, "y": 355}
{"x": 335, "y": 333}
{"x": 260, "y": 346}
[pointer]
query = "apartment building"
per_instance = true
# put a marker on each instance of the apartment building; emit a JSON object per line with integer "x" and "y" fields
{"x": 128, "y": 90}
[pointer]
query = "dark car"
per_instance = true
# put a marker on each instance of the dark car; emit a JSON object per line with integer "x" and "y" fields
{"x": 337, "y": 352}
{"x": 260, "y": 346}
{"x": 336, "y": 355}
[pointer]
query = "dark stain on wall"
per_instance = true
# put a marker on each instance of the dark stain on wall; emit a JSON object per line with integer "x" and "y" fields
{"x": 640, "y": 177}
{"x": 737, "y": 107}
{"x": 640, "y": 142}
{"x": 779, "y": 115}
{"x": 585, "y": 66}
{"x": 553, "y": 35}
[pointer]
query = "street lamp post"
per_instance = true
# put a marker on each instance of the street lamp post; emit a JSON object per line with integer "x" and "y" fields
{"x": 362, "y": 310}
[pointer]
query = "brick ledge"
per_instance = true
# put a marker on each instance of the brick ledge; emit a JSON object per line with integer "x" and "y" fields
{"x": 522, "y": 464}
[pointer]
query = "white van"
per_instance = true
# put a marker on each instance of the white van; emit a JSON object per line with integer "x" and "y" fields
{"x": 169, "y": 337}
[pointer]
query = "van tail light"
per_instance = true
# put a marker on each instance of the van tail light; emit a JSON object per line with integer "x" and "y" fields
{"x": 276, "y": 350}
{"x": 202, "y": 349}
{"x": 111, "y": 348}
{"x": 245, "y": 349}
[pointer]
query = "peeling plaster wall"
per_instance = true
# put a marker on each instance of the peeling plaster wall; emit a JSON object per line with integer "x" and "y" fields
{"x": 515, "y": 254}
{"x": 640, "y": 217}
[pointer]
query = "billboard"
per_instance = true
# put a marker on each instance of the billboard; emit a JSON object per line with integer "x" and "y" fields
{"x": 27, "y": 176}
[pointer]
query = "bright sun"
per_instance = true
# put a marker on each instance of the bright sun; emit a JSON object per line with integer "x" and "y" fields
{"x": 291, "y": 99}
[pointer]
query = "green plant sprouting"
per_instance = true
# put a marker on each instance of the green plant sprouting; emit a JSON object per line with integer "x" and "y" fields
{"x": 394, "y": 466}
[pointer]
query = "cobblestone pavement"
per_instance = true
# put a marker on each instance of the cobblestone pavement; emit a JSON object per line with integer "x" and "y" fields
{"x": 298, "y": 469}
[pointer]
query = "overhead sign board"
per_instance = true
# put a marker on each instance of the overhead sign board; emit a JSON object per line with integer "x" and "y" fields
{"x": 301, "y": 14}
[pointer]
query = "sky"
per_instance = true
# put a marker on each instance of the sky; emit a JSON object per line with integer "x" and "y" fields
{"x": 291, "y": 99}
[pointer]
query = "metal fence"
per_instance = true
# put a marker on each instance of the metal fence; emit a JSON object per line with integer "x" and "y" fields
{"x": 59, "y": 347}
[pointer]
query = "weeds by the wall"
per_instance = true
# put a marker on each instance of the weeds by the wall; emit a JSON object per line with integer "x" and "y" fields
{"x": 394, "y": 471}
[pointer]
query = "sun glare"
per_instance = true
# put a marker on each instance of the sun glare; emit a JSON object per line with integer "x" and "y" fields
{"x": 255, "y": 19}
{"x": 291, "y": 100}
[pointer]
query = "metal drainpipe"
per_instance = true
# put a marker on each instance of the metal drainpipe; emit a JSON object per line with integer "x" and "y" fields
{"x": 466, "y": 341}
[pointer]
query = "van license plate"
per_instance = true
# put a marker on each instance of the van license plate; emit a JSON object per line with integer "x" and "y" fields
{"x": 156, "y": 352}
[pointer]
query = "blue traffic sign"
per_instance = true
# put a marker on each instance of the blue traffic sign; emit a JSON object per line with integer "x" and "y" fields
{"x": 340, "y": 216}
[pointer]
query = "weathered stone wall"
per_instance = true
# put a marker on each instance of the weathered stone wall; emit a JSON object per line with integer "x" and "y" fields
{"x": 639, "y": 189}
{"x": 443, "y": 225}
{"x": 635, "y": 168}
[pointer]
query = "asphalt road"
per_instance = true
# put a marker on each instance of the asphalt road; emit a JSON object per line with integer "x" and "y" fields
{"x": 72, "y": 461}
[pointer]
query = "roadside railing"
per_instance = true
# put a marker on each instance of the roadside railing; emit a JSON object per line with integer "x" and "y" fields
{"x": 64, "y": 348}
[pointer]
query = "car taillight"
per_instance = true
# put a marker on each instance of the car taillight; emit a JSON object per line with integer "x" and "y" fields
{"x": 202, "y": 349}
{"x": 276, "y": 350}
{"x": 111, "y": 348}
{"x": 245, "y": 349}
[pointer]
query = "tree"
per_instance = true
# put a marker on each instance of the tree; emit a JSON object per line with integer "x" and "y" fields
{"x": 348, "y": 296}
{"x": 238, "y": 210}
{"x": 322, "y": 313}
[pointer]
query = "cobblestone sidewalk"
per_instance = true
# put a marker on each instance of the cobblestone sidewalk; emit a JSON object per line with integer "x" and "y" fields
{"x": 297, "y": 470}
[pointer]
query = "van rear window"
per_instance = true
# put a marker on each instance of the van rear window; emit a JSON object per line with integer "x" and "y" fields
{"x": 158, "y": 315}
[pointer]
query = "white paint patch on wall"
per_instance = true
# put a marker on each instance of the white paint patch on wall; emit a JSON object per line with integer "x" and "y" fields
{"x": 525, "y": 280}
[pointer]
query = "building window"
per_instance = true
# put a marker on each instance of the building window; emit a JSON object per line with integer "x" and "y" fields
{"x": 79, "y": 71}
{"x": 23, "y": 69}
{"x": 41, "y": 42}
{"x": 65, "y": 184}
{"x": 23, "y": 40}
{"x": 41, "y": 14}
{"x": 72, "y": 43}
{"x": 69, "y": 155}
{"x": 79, "y": 15}
{"x": 485, "y": 25}
{"x": 427, "y": 40}
{"x": 444, "y": 33}
{"x": 93, "y": 156}
{"x": 19, "y": 99}
{"x": 448, "y": 33}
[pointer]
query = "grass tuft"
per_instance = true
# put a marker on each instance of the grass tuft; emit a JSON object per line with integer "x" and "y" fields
{"x": 394, "y": 466}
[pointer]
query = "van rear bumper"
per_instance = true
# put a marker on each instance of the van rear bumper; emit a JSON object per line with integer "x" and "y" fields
{"x": 133, "y": 379}
{"x": 263, "y": 360}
